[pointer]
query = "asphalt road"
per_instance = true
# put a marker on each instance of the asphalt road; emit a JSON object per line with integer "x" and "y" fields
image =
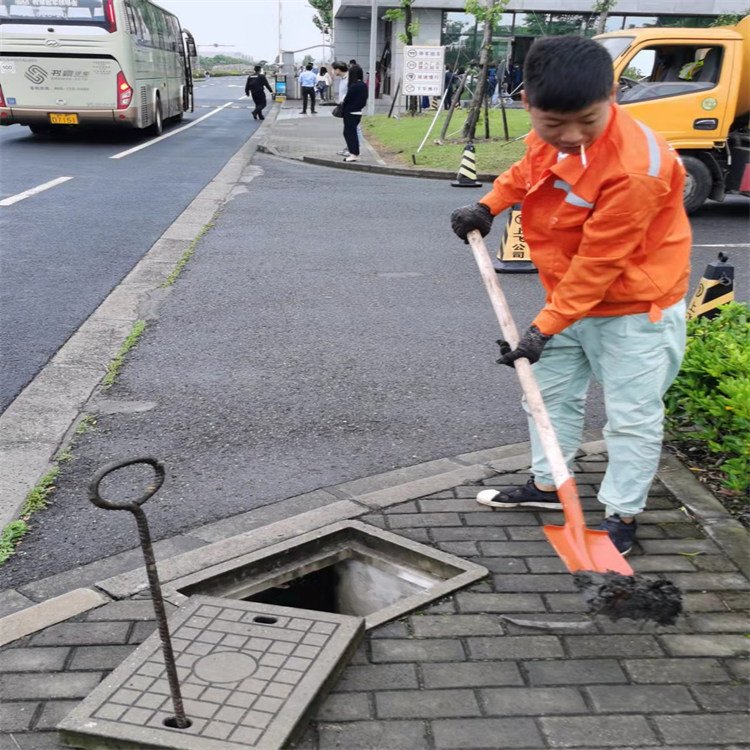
{"x": 64, "y": 249}
{"x": 329, "y": 327}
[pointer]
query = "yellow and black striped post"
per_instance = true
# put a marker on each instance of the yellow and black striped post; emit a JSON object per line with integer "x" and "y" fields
{"x": 716, "y": 288}
{"x": 434, "y": 103}
{"x": 514, "y": 255}
{"x": 467, "y": 172}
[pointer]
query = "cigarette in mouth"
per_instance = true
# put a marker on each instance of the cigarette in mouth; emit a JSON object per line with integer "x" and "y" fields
{"x": 583, "y": 156}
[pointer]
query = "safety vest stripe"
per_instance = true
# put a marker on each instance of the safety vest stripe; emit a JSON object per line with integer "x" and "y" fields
{"x": 572, "y": 198}
{"x": 654, "y": 153}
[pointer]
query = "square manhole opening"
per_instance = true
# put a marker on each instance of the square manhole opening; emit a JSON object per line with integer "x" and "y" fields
{"x": 347, "y": 568}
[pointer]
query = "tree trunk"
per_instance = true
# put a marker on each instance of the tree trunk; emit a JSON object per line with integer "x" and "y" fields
{"x": 601, "y": 22}
{"x": 480, "y": 91}
{"x": 454, "y": 103}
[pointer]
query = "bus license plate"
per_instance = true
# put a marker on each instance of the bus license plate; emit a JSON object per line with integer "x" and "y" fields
{"x": 63, "y": 119}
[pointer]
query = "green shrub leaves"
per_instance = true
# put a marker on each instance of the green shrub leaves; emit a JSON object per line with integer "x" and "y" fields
{"x": 709, "y": 402}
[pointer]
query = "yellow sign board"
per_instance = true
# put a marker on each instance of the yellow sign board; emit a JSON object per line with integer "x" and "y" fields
{"x": 514, "y": 245}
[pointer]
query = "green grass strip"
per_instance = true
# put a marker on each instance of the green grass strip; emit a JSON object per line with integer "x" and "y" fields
{"x": 9, "y": 538}
{"x": 186, "y": 256}
{"x": 37, "y": 499}
{"x": 397, "y": 139}
{"x": 114, "y": 367}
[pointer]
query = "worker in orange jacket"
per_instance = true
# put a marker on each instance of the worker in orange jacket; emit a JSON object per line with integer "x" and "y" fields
{"x": 603, "y": 216}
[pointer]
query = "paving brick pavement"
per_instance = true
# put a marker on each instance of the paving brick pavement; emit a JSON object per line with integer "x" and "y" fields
{"x": 512, "y": 661}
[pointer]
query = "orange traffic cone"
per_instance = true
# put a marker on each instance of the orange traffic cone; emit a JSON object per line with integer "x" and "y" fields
{"x": 467, "y": 172}
{"x": 514, "y": 255}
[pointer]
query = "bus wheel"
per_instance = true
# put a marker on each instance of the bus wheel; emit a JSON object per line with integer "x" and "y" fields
{"x": 697, "y": 183}
{"x": 158, "y": 124}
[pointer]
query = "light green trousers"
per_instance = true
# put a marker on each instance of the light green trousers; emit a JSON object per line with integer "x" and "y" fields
{"x": 635, "y": 361}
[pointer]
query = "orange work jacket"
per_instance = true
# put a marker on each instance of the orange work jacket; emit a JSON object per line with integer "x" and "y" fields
{"x": 611, "y": 238}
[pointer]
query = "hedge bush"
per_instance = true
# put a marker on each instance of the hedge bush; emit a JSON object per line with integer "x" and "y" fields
{"x": 708, "y": 405}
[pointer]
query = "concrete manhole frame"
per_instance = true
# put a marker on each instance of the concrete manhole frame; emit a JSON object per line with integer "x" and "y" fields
{"x": 324, "y": 546}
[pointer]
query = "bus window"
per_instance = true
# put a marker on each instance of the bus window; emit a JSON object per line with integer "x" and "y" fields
{"x": 174, "y": 35}
{"x": 79, "y": 12}
{"x": 143, "y": 33}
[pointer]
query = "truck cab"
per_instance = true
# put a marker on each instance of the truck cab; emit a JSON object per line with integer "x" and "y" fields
{"x": 692, "y": 87}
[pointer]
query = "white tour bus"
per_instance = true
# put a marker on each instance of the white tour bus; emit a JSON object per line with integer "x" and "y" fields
{"x": 93, "y": 62}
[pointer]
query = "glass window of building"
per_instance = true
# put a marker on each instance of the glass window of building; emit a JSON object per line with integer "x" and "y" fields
{"x": 699, "y": 22}
{"x": 637, "y": 22}
{"x": 614, "y": 23}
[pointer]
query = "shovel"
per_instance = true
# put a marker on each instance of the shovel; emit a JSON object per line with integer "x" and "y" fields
{"x": 587, "y": 553}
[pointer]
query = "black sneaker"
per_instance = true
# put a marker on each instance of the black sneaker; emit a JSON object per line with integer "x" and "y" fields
{"x": 527, "y": 496}
{"x": 622, "y": 534}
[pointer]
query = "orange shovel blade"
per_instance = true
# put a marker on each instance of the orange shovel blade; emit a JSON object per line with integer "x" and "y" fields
{"x": 589, "y": 549}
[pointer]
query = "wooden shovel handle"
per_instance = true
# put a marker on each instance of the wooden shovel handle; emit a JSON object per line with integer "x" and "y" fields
{"x": 552, "y": 451}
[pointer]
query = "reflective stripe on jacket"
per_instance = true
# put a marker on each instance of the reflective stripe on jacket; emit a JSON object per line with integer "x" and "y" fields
{"x": 611, "y": 238}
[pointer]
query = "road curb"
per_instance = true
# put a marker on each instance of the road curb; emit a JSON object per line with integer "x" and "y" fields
{"x": 429, "y": 174}
{"x": 42, "y": 418}
{"x": 347, "y": 501}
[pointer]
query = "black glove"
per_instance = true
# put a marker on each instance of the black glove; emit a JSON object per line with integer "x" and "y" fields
{"x": 466, "y": 218}
{"x": 530, "y": 346}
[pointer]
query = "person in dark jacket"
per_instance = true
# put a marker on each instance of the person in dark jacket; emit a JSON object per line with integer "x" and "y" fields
{"x": 353, "y": 104}
{"x": 255, "y": 87}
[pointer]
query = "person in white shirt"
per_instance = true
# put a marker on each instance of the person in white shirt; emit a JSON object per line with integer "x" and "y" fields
{"x": 307, "y": 84}
{"x": 341, "y": 71}
{"x": 323, "y": 83}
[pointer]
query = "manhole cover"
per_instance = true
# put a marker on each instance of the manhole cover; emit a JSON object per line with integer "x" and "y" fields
{"x": 249, "y": 674}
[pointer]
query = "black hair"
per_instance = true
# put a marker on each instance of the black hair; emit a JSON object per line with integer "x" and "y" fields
{"x": 339, "y": 66}
{"x": 356, "y": 74}
{"x": 257, "y": 68}
{"x": 567, "y": 73}
{"x": 352, "y": 62}
{"x": 322, "y": 70}
{"x": 309, "y": 66}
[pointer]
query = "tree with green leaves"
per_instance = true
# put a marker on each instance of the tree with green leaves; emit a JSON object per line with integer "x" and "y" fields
{"x": 488, "y": 13}
{"x": 411, "y": 27}
{"x": 602, "y": 9}
{"x": 730, "y": 19}
{"x": 323, "y": 18}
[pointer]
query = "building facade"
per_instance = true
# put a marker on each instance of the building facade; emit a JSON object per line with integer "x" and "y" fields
{"x": 445, "y": 22}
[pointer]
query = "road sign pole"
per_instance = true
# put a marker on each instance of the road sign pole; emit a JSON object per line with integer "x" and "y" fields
{"x": 373, "y": 56}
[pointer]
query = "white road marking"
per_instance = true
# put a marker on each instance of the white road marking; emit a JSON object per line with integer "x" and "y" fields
{"x": 737, "y": 244}
{"x": 122, "y": 154}
{"x": 33, "y": 191}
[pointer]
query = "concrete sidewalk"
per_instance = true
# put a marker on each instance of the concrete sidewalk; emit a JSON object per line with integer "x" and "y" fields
{"x": 512, "y": 661}
{"x": 314, "y": 138}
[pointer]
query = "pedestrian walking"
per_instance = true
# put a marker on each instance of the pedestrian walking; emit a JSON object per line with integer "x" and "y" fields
{"x": 352, "y": 106}
{"x": 603, "y": 215}
{"x": 256, "y": 86}
{"x": 307, "y": 83}
{"x": 323, "y": 83}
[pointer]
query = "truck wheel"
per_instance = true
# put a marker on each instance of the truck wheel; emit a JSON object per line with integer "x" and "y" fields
{"x": 158, "y": 124}
{"x": 698, "y": 183}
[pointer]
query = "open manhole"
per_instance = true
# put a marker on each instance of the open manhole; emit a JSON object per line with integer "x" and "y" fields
{"x": 348, "y": 568}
